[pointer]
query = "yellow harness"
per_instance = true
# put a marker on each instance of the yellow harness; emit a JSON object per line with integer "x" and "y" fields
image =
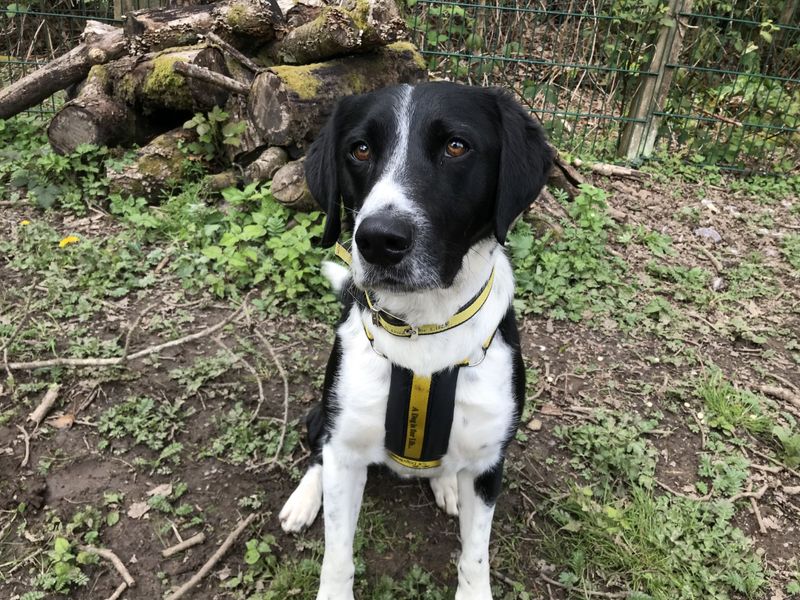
{"x": 420, "y": 408}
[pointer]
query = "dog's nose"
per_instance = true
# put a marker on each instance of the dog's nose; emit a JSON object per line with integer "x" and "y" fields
{"x": 384, "y": 239}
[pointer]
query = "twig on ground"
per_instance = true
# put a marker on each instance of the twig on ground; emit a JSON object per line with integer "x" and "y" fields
{"x": 578, "y": 590}
{"x": 665, "y": 487}
{"x": 780, "y": 393}
{"x": 50, "y": 397}
{"x": 712, "y": 259}
{"x": 608, "y": 170}
{"x": 791, "y": 489}
{"x": 761, "y": 527}
{"x": 114, "y": 559}
{"x": 773, "y": 470}
{"x": 773, "y": 460}
{"x": 110, "y": 362}
{"x": 197, "y": 577}
{"x": 750, "y": 494}
{"x": 133, "y": 327}
{"x": 784, "y": 381}
{"x": 27, "y": 438}
{"x": 505, "y": 579}
{"x": 187, "y": 543}
{"x": 119, "y": 591}
{"x": 282, "y": 373}
{"x": 253, "y": 372}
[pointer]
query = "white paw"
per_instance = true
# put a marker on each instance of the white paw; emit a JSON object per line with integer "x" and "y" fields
{"x": 445, "y": 490}
{"x": 303, "y": 505}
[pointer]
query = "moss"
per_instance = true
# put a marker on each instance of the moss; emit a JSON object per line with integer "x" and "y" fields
{"x": 237, "y": 17}
{"x": 359, "y": 14}
{"x": 356, "y": 83}
{"x": 165, "y": 85}
{"x": 409, "y": 47}
{"x": 300, "y": 79}
{"x": 98, "y": 73}
{"x": 126, "y": 88}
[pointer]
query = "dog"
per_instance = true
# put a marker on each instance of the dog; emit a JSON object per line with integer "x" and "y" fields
{"x": 426, "y": 374}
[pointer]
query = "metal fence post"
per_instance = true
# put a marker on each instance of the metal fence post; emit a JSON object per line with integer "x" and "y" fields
{"x": 639, "y": 134}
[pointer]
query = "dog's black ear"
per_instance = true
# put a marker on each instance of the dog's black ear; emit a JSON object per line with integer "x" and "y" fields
{"x": 322, "y": 176}
{"x": 525, "y": 161}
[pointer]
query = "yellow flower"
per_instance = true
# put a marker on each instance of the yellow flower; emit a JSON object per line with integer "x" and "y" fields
{"x": 25, "y": 222}
{"x": 70, "y": 239}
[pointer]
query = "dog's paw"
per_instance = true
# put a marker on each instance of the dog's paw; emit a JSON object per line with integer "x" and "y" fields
{"x": 445, "y": 490}
{"x": 303, "y": 505}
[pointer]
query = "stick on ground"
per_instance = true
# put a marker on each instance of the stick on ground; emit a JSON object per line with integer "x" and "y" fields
{"x": 285, "y": 379}
{"x": 27, "y": 438}
{"x": 188, "y": 543}
{"x": 119, "y": 591}
{"x": 204, "y": 570}
{"x": 114, "y": 559}
{"x": 50, "y": 397}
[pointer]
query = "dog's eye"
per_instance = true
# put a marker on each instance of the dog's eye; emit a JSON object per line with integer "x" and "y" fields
{"x": 456, "y": 147}
{"x": 361, "y": 151}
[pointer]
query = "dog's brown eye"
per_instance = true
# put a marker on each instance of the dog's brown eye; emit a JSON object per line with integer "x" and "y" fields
{"x": 456, "y": 147}
{"x": 361, "y": 151}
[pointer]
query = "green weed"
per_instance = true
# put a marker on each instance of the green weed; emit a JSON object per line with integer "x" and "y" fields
{"x": 790, "y": 247}
{"x": 573, "y": 275}
{"x": 242, "y": 441}
{"x": 201, "y": 371}
{"x": 729, "y": 408}
{"x": 214, "y": 131}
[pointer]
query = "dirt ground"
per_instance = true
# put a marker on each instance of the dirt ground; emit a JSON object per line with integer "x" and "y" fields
{"x": 575, "y": 367}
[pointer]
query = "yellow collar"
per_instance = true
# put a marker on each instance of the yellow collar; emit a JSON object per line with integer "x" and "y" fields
{"x": 397, "y": 327}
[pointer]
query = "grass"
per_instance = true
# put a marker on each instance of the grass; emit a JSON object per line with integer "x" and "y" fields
{"x": 637, "y": 294}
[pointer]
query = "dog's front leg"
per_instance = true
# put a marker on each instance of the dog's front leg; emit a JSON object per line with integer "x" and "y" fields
{"x": 342, "y": 489}
{"x": 477, "y": 496}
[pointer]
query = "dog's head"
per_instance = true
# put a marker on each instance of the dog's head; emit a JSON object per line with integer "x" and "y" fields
{"x": 424, "y": 173}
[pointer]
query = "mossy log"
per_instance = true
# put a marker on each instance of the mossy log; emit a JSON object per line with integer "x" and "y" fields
{"x": 336, "y": 31}
{"x": 100, "y": 43}
{"x": 241, "y": 22}
{"x": 94, "y": 117}
{"x": 289, "y": 104}
{"x": 156, "y": 167}
{"x": 150, "y": 82}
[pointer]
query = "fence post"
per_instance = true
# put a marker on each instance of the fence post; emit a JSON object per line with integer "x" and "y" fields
{"x": 653, "y": 87}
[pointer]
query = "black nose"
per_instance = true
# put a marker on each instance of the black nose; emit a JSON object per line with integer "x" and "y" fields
{"x": 384, "y": 239}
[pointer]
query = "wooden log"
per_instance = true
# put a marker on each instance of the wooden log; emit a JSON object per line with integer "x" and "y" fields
{"x": 150, "y": 83}
{"x": 290, "y": 189}
{"x": 332, "y": 33}
{"x": 266, "y": 165}
{"x": 100, "y": 44}
{"x": 336, "y": 31}
{"x": 93, "y": 117}
{"x": 242, "y": 22}
{"x": 210, "y": 77}
{"x": 289, "y": 104}
{"x": 156, "y": 166}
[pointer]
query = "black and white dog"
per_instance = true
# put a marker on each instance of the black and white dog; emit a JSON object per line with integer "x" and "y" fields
{"x": 426, "y": 374}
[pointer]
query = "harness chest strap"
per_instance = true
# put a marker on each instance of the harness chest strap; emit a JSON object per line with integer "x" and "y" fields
{"x": 419, "y": 413}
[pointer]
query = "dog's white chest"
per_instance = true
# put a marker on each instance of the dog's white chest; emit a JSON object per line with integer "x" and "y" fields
{"x": 482, "y": 415}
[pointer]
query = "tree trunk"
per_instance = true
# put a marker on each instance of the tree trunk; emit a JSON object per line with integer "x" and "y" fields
{"x": 289, "y": 104}
{"x": 151, "y": 83}
{"x": 93, "y": 117}
{"x": 155, "y": 167}
{"x": 242, "y": 22}
{"x": 101, "y": 43}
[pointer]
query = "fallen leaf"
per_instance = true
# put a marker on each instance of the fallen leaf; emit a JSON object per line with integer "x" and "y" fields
{"x": 138, "y": 509}
{"x": 534, "y": 424}
{"x": 550, "y": 409}
{"x": 64, "y": 421}
{"x": 165, "y": 489}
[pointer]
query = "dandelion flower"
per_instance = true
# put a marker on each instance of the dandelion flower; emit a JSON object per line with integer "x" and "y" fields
{"x": 25, "y": 222}
{"x": 70, "y": 239}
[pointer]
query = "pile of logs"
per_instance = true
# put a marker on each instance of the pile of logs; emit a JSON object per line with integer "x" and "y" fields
{"x": 278, "y": 69}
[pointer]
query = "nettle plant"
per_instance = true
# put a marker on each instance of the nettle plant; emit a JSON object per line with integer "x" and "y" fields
{"x": 214, "y": 131}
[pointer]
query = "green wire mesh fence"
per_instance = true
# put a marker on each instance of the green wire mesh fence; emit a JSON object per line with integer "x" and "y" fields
{"x": 715, "y": 81}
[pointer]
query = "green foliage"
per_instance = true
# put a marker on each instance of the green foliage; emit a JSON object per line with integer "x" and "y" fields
{"x": 251, "y": 240}
{"x": 789, "y": 441}
{"x": 572, "y": 275}
{"x": 662, "y": 547}
{"x": 791, "y": 250}
{"x": 63, "y": 568}
{"x": 214, "y": 132}
{"x": 727, "y": 471}
{"x": 729, "y": 408}
{"x": 201, "y": 371}
{"x": 613, "y": 450}
{"x": 149, "y": 423}
{"x": 242, "y": 440}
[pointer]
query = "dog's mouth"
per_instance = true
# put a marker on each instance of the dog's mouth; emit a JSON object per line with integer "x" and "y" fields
{"x": 393, "y": 279}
